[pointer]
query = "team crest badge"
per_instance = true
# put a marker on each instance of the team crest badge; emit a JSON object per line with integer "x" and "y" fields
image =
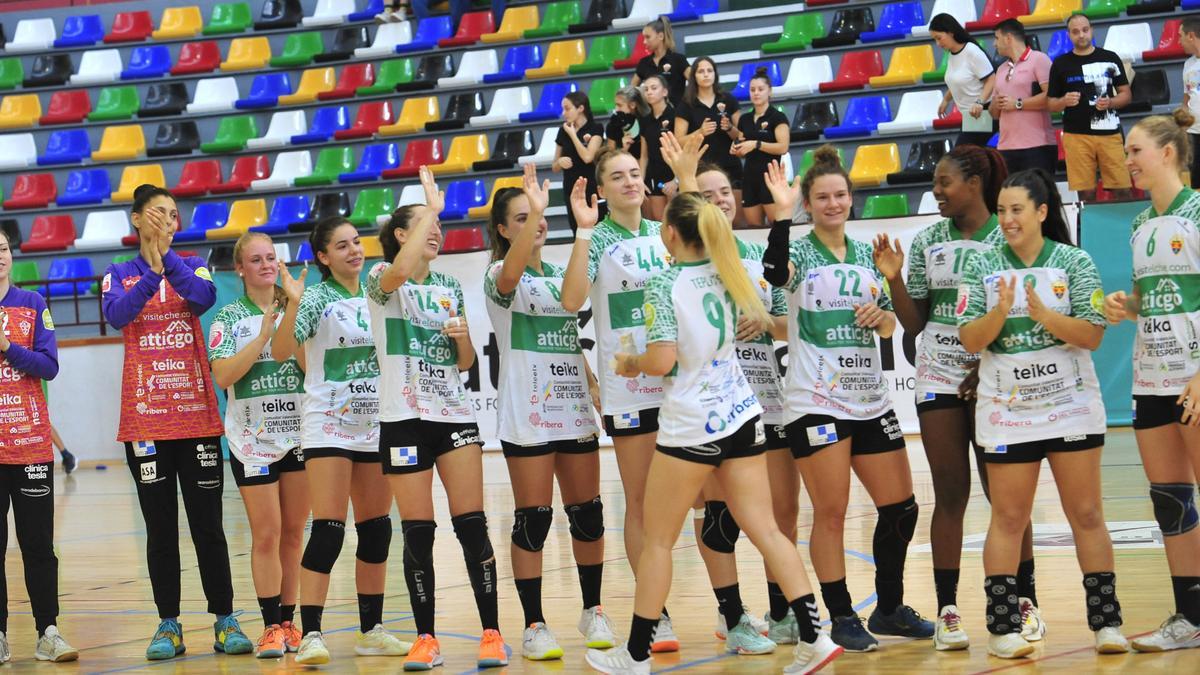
{"x": 1176, "y": 244}
{"x": 1059, "y": 287}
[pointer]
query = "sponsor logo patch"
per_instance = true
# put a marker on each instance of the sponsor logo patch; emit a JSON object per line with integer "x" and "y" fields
{"x": 404, "y": 456}
{"x": 822, "y": 434}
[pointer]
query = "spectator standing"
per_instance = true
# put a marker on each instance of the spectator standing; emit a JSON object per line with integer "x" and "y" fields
{"x": 1189, "y": 37}
{"x": 1019, "y": 102}
{"x": 970, "y": 78}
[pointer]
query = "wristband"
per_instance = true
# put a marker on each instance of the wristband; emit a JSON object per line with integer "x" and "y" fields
{"x": 584, "y": 233}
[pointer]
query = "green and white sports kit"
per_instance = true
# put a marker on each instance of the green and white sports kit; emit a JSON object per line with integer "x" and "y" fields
{"x": 1033, "y": 386}
{"x": 935, "y": 267}
{"x": 543, "y": 392}
{"x": 263, "y": 408}
{"x": 707, "y": 397}
{"x": 757, "y": 357}
{"x": 341, "y": 395}
{"x": 619, "y": 264}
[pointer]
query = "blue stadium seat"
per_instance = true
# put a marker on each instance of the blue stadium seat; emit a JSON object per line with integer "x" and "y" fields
{"x": 863, "y": 115}
{"x": 86, "y": 186}
{"x": 692, "y": 10}
{"x": 66, "y": 146}
{"x": 1191, "y": 4}
{"x": 206, "y": 216}
{"x": 366, "y": 13}
{"x": 285, "y": 210}
{"x": 375, "y": 159}
{"x": 304, "y": 253}
{"x": 1060, "y": 43}
{"x": 325, "y": 122}
{"x": 265, "y": 91}
{"x": 81, "y": 31}
{"x": 429, "y": 31}
{"x": 549, "y": 106}
{"x": 147, "y": 61}
{"x": 994, "y": 141}
{"x": 742, "y": 91}
{"x": 896, "y": 22}
{"x": 69, "y": 268}
{"x": 516, "y": 61}
{"x": 462, "y": 196}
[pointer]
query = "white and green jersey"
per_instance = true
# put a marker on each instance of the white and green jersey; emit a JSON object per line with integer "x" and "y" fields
{"x": 543, "y": 392}
{"x": 262, "y": 409}
{"x": 757, "y": 357}
{"x": 833, "y": 364}
{"x": 1033, "y": 386}
{"x": 706, "y": 395}
{"x": 619, "y": 263}
{"x": 1166, "y": 273}
{"x": 341, "y": 396}
{"x": 935, "y": 267}
{"x": 418, "y": 364}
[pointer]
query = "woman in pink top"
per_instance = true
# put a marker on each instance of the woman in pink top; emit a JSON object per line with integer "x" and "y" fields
{"x": 1019, "y": 101}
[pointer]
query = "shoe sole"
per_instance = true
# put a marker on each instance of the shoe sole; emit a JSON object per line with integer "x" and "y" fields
{"x": 828, "y": 659}
{"x": 318, "y": 660}
{"x": 421, "y": 665}
{"x": 548, "y": 655}
{"x": 1112, "y": 649}
{"x": 601, "y": 644}
{"x": 491, "y": 663}
{"x": 1016, "y": 654}
{"x": 740, "y": 651}
{"x": 271, "y": 653}
{"x": 61, "y": 658}
{"x": 950, "y": 646}
{"x": 178, "y": 652}
{"x": 664, "y": 646}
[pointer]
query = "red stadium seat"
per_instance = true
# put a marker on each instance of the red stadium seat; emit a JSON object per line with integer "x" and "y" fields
{"x": 1169, "y": 46}
{"x": 198, "y": 177}
{"x": 855, "y": 71}
{"x": 352, "y": 77}
{"x": 996, "y": 11}
{"x": 245, "y": 171}
{"x": 470, "y": 27}
{"x": 463, "y": 240}
{"x": 425, "y": 151}
{"x": 639, "y": 51}
{"x": 50, "y": 233}
{"x": 32, "y": 191}
{"x": 67, "y": 107}
{"x": 130, "y": 27}
{"x": 370, "y": 117}
{"x": 197, "y": 57}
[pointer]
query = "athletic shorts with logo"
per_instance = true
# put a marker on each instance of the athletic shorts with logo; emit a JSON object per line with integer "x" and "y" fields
{"x": 749, "y": 440}
{"x": 811, "y": 433}
{"x": 931, "y": 401}
{"x": 632, "y": 423}
{"x": 567, "y": 446}
{"x": 1156, "y": 411}
{"x": 245, "y": 475}
{"x": 1036, "y": 451}
{"x": 411, "y": 446}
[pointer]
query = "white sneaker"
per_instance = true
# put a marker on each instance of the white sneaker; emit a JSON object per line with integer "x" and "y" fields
{"x": 51, "y": 646}
{"x": 1174, "y": 633}
{"x": 5, "y": 655}
{"x": 760, "y": 626}
{"x": 385, "y": 16}
{"x": 665, "y": 639}
{"x": 313, "y": 651}
{"x": 1110, "y": 641}
{"x": 1009, "y": 646}
{"x": 538, "y": 643}
{"x": 809, "y": 658}
{"x": 596, "y": 628}
{"x": 617, "y": 662}
{"x": 379, "y": 642}
{"x": 948, "y": 634}
{"x": 1033, "y": 628}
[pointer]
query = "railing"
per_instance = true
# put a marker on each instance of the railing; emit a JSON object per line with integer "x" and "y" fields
{"x": 82, "y": 304}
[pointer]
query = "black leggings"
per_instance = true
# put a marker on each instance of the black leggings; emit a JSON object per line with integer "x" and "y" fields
{"x": 196, "y": 464}
{"x": 30, "y": 488}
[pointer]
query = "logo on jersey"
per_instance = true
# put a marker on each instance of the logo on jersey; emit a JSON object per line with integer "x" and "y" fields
{"x": 964, "y": 296}
{"x": 216, "y": 334}
{"x": 203, "y": 273}
{"x": 1097, "y": 301}
{"x": 1176, "y": 244}
{"x": 714, "y": 424}
{"x": 106, "y": 285}
{"x": 648, "y": 315}
{"x": 404, "y": 456}
{"x": 1059, "y": 287}
{"x": 46, "y": 320}
{"x": 148, "y": 472}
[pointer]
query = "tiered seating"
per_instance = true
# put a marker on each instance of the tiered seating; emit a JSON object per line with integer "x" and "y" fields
{"x": 516, "y": 21}
{"x": 844, "y": 29}
{"x": 299, "y": 49}
{"x": 67, "y": 107}
{"x": 418, "y": 153}
{"x": 164, "y": 98}
{"x": 345, "y": 42}
{"x": 472, "y": 69}
{"x": 227, "y": 18}
{"x": 48, "y": 70}
{"x": 197, "y": 178}
{"x": 129, "y": 27}
{"x": 66, "y": 146}
{"x": 549, "y": 106}
{"x": 375, "y": 160}
{"x": 896, "y": 22}
{"x": 88, "y": 186}
{"x": 197, "y": 57}
{"x": 50, "y": 233}
{"x": 17, "y": 151}
{"x": 288, "y": 167}
{"x": 282, "y": 127}
{"x": 120, "y": 143}
{"x": 285, "y": 211}
{"x": 179, "y": 22}
{"x": 370, "y": 205}
{"x": 313, "y": 83}
{"x": 471, "y": 27}
{"x": 863, "y": 115}
{"x": 855, "y": 71}
{"x": 133, "y": 176}
{"x": 429, "y": 32}
{"x": 115, "y": 103}
{"x": 147, "y": 62}
{"x": 32, "y": 35}
{"x": 103, "y": 229}
{"x": 175, "y": 138}
{"x": 245, "y": 171}
{"x": 80, "y": 31}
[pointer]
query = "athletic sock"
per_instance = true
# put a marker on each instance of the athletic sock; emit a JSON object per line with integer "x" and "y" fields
{"x": 287, "y": 613}
{"x": 590, "y": 578}
{"x": 893, "y": 531}
{"x": 483, "y": 583}
{"x": 1026, "y": 581}
{"x": 1103, "y": 610}
{"x": 837, "y": 599}
{"x": 1003, "y": 607}
{"x": 729, "y": 602}
{"x": 779, "y": 603}
{"x": 641, "y": 632}
{"x": 370, "y": 610}
{"x": 530, "y": 593}
{"x": 270, "y": 610}
{"x": 945, "y": 581}
{"x": 1187, "y": 598}
{"x": 310, "y": 618}
{"x": 808, "y": 618}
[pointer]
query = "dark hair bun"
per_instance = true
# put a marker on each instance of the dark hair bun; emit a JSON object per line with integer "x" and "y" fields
{"x": 1184, "y": 118}
{"x": 826, "y": 155}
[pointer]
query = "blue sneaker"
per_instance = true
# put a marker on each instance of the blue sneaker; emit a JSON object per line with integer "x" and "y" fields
{"x": 904, "y": 622}
{"x": 229, "y": 637}
{"x": 848, "y": 633}
{"x": 167, "y": 642}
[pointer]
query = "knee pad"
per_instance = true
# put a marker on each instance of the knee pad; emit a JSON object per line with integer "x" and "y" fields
{"x": 900, "y": 518}
{"x": 324, "y": 545}
{"x": 586, "y": 519}
{"x": 471, "y": 530}
{"x": 530, "y": 527}
{"x": 1174, "y": 507}
{"x": 374, "y": 539}
{"x": 418, "y": 542}
{"x": 720, "y": 531}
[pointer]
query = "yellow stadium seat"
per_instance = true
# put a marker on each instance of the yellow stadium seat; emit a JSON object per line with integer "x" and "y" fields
{"x": 501, "y": 183}
{"x": 243, "y": 215}
{"x": 179, "y": 22}
{"x": 18, "y": 112}
{"x": 133, "y": 176}
{"x": 312, "y": 82}
{"x": 516, "y": 21}
{"x": 371, "y": 246}
{"x": 559, "y": 57}
{"x": 413, "y": 116}
{"x": 247, "y": 54}
{"x": 872, "y": 164}
{"x": 123, "y": 142}
{"x": 464, "y": 152}
{"x": 906, "y": 67}
{"x": 1051, "y": 11}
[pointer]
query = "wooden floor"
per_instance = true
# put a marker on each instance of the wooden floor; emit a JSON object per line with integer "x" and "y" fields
{"x": 108, "y": 614}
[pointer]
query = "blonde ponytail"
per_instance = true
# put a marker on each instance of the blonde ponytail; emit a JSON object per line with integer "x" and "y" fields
{"x": 716, "y": 235}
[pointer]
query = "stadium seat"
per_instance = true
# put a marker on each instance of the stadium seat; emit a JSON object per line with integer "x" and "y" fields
{"x": 464, "y": 152}
{"x": 20, "y": 111}
{"x": 66, "y": 146}
{"x": 81, "y": 31}
{"x": 411, "y": 195}
{"x": 323, "y": 206}
{"x": 509, "y": 147}
{"x": 1104, "y": 9}
{"x": 872, "y": 164}
{"x": 805, "y": 76}
{"x": 325, "y": 122}
{"x": 557, "y": 19}
{"x": 937, "y": 76}
{"x": 885, "y": 206}
{"x": 604, "y": 50}
{"x": 811, "y": 120}
{"x": 863, "y": 115}
{"x": 283, "y": 126}
{"x": 299, "y": 49}
{"x": 462, "y": 196}
{"x": 247, "y": 53}
{"x": 418, "y": 153}
{"x": 245, "y": 171}
{"x": 952, "y": 120}
{"x": 196, "y": 58}
{"x": 146, "y": 62}
{"x": 130, "y": 27}
{"x": 1142, "y": 7}
{"x": 549, "y": 106}
{"x": 693, "y": 10}
{"x": 17, "y": 151}
{"x": 265, "y": 91}
{"x": 115, "y": 103}
{"x": 560, "y": 56}
{"x": 742, "y": 91}
{"x": 86, "y": 186}
{"x": 471, "y": 69}
{"x": 198, "y": 177}
{"x": 471, "y": 27}
{"x": 599, "y": 16}
{"x": 430, "y": 70}
{"x": 482, "y": 212}
{"x": 12, "y": 73}
{"x": 507, "y": 107}
{"x": 459, "y": 111}
{"x": 464, "y": 239}
{"x": 304, "y": 251}
{"x": 32, "y": 191}
{"x": 896, "y": 22}
{"x": 25, "y": 270}
{"x": 1149, "y": 88}
{"x": 68, "y": 268}
{"x": 963, "y": 10}
{"x": 375, "y": 160}
{"x": 1129, "y": 40}
{"x": 928, "y": 204}
{"x": 917, "y": 112}
{"x": 642, "y": 13}
{"x": 285, "y": 210}
{"x": 1169, "y": 46}
{"x": 313, "y": 83}
{"x": 50, "y": 233}
{"x": 906, "y": 67}
{"x": 345, "y": 41}
{"x": 232, "y": 134}
{"x": 545, "y": 150}
{"x": 331, "y": 163}
{"x": 369, "y": 11}
{"x": 370, "y": 117}
{"x": 279, "y": 14}
{"x": 516, "y": 21}
{"x": 923, "y": 157}
{"x": 227, "y": 18}
{"x": 179, "y": 22}
{"x": 995, "y": 11}
{"x": 1060, "y": 43}
{"x": 103, "y": 229}
{"x": 517, "y": 60}
{"x": 369, "y": 205}
{"x": 288, "y": 167}
{"x": 133, "y": 176}
{"x": 243, "y": 215}
{"x": 67, "y": 107}
{"x": 602, "y": 94}
{"x": 799, "y": 30}
{"x": 48, "y": 70}
{"x": 416, "y": 113}
{"x": 1051, "y": 11}
{"x": 855, "y": 71}
{"x": 205, "y": 216}
{"x": 429, "y": 31}
{"x": 639, "y": 52}
{"x": 214, "y": 95}
{"x": 371, "y": 246}
{"x": 32, "y": 35}
{"x": 121, "y": 143}
{"x": 329, "y": 13}
{"x": 388, "y": 75}
{"x": 846, "y": 26}
{"x": 387, "y": 38}
{"x": 175, "y": 138}
{"x": 352, "y": 78}
{"x": 162, "y": 99}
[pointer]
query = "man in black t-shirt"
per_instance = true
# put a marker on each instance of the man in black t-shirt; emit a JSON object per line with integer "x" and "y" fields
{"x": 1088, "y": 85}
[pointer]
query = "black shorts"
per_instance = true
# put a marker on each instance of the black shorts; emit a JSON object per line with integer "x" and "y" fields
{"x": 810, "y": 433}
{"x": 357, "y": 456}
{"x": 1035, "y": 451}
{"x": 754, "y": 188}
{"x": 749, "y": 440}
{"x": 631, "y": 424}
{"x": 1155, "y": 411}
{"x": 267, "y": 474}
{"x": 568, "y": 446}
{"x": 776, "y": 437}
{"x": 941, "y": 402}
{"x": 412, "y": 446}
{"x": 655, "y": 183}
{"x": 1043, "y": 157}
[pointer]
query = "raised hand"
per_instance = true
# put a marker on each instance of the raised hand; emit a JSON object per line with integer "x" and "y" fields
{"x": 267, "y": 327}
{"x": 683, "y": 158}
{"x": 586, "y": 212}
{"x": 889, "y": 256}
{"x": 435, "y": 199}
{"x": 293, "y": 287}
{"x": 1037, "y": 309}
{"x": 538, "y": 195}
{"x": 785, "y": 196}
{"x": 1006, "y": 293}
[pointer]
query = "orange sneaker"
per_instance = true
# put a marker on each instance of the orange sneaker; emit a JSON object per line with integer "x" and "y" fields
{"x": 425, "y": 654}
{"x": 272, "y": 644}
{"x": 291, "y": 635}
{"x": 493, "y": 653}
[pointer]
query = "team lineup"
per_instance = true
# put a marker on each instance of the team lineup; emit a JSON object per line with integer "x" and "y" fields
{"x": 347, "y": 394}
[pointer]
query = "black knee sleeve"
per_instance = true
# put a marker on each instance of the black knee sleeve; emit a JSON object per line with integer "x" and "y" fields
{"x": 324, "y": 545}
{"x": 530, "y": 527}
{"x": 720, "y": 531}
{"x": 1174, "y": 507}
{"x": 471, "y": 530}
{"x": 899, "y": 519}
{"x": 586, "y": 519}
{"x": 418, "y": 542}
{"x": 374, "y": 539}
